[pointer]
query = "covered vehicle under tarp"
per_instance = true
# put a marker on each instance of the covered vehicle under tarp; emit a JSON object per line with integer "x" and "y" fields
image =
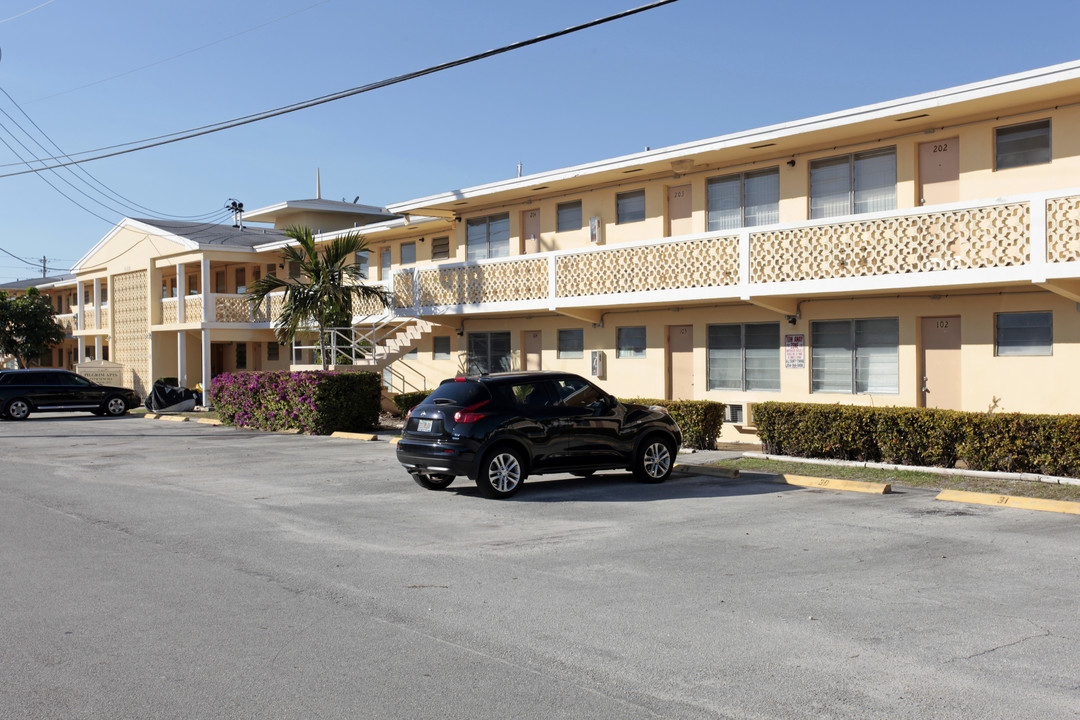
{"x": 166, "y": 398}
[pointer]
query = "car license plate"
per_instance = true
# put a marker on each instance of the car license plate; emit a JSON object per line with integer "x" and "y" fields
{"x": 424, "y": 426}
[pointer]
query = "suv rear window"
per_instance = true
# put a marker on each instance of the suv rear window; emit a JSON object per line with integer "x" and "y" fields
{"x": 453, "y": 392}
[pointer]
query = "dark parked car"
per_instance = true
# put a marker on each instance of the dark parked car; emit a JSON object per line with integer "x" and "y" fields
{"x": 497, "y": 429}
{"x": 25, "y": 391}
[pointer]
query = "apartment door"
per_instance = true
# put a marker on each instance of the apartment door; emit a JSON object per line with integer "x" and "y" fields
{"x": 680, "y": 362}
{"x": 217, "y": 359}
{"x": 941, "y": 363}
{"x": 530, "y": 231}
{"x": 679, "y": 207}
{"x": 939, "y": 171}
{"x": 531, "y": 348}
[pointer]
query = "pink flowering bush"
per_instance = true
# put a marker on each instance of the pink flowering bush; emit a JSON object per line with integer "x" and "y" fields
{"x": 314, "y": 402}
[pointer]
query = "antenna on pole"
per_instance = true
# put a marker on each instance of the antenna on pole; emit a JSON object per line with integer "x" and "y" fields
{"x": 237, "y": 209}
{"x": 318, "y": 185}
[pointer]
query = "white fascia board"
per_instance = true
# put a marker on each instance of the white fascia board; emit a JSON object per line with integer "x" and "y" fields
{"x": 394, "y": 224}
{"x": 912, "y": 104}
{"x": 318, "y": 204}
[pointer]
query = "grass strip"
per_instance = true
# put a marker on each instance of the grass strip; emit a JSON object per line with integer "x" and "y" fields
{"x": 910, "y": 478}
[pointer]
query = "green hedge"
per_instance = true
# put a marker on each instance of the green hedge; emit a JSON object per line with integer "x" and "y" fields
{"x": 405, "y": 402}
{"x": 1012, "y": 442}
{"x": 699, "y": 420}
{"x": 314, "y": 402}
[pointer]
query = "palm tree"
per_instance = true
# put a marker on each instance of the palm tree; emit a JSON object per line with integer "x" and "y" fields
{"x": 324, "y": 291}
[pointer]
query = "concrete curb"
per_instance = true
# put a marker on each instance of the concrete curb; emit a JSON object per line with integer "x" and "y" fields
{"x": 835, "y": 484}
{"x": 1031, "y": 477}
{"x": 354, "y": 436}
{"x": 723, "y": 472}
{"x": 1024, "y": 503}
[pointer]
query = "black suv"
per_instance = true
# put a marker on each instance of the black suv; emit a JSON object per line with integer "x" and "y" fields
{"x": 497, "y": 429}
{"x": 25, "y": 391}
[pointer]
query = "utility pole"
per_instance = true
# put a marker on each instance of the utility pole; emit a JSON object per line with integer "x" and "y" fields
{"x": 43, "y": 268}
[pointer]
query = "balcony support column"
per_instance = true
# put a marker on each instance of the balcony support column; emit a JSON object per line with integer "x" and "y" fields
{"x": 98, "y": 343}
{"x": 79, "y": 300}
{"x": 206, "y": 401}
{"x": 97, "y": 307}
{"x": 82, "y": 350}
{"x": 205, "y": 269}
{"x": 181, "y": 358}
{"x": 181, "y": 293}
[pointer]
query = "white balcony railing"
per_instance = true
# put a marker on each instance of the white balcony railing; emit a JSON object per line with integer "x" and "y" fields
{"x": 1026, "y": 236}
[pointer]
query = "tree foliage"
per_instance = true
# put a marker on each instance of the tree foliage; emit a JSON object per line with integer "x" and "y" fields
{"x": 322, "y": 295}
{"x": 28, "y": 327}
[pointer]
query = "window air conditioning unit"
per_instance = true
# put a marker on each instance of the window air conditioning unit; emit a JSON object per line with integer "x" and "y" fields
{"x": 741, "y": 414}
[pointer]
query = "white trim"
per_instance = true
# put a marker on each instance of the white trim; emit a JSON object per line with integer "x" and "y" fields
{"x": 903, "y": 106}
{"x": 317, "y": 204}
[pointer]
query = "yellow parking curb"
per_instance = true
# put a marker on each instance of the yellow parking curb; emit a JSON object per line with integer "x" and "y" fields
{"x": 151, "y": 416}
{"x": 208, "y": 421}
{"x": 706, "y": 470}
{"x": 173, "y": 418}
{"x": 1024, "y": 503}
{"x": 836, "y": 484}
{"x": 394, "y": 440}
{"x": 352, "y": 435}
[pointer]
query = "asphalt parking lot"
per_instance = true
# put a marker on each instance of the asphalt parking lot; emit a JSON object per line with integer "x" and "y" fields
{"x": 169, "y": 570}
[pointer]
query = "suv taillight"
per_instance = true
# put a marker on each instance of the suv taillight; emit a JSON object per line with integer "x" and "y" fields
{"x": 467, "y": 415}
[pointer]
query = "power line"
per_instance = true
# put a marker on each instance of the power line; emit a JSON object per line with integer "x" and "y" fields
{"x": 125, "y": 202}
{"x": 285, "y": 109}
{"x": 26, "y": 12}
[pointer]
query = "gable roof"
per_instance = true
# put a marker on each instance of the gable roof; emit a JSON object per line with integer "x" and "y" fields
{"x": 39, "y": 283}
{"x": 205, "y": 234}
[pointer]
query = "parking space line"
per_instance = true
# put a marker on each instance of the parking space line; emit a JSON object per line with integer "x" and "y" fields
{"x": 1024, "y": 503}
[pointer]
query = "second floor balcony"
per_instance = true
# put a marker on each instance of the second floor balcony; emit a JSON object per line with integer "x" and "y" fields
{"x": 1023, "y": 239}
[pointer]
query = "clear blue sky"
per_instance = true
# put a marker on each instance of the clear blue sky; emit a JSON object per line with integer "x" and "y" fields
{"x": 695, "y": 69}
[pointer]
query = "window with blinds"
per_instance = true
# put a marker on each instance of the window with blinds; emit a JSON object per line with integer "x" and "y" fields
{"x": 571, "y": 343}
{"x": 743, "y": 200}
{"x": 855, "y": 356}
{"x": 487, "y": 237}
{"x": 440, "y": 248}
{"x": 1020, "y": 145}
{"x": 744, "y": 357}
{"x": 1030, "y": 333}
{"x": 630, "y": 342}
{"x": 630, "y": 207}
{"x": 856, "y": 183}
{"x": 568, "y": 216}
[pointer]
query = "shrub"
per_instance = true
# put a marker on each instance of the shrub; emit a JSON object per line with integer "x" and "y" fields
{"x": 405, "y": 402}
{"x": 1012, "y": 442}
{"x": 314, "y": 402}
{"x": 699, "y": 420}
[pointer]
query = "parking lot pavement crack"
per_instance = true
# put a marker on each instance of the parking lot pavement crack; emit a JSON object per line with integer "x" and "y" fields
{"x": 1044, "y": 633}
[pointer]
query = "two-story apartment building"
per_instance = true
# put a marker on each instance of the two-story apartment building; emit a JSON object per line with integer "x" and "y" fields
{"x": 917, "y": 252}
{"x": 923, "y": 252}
